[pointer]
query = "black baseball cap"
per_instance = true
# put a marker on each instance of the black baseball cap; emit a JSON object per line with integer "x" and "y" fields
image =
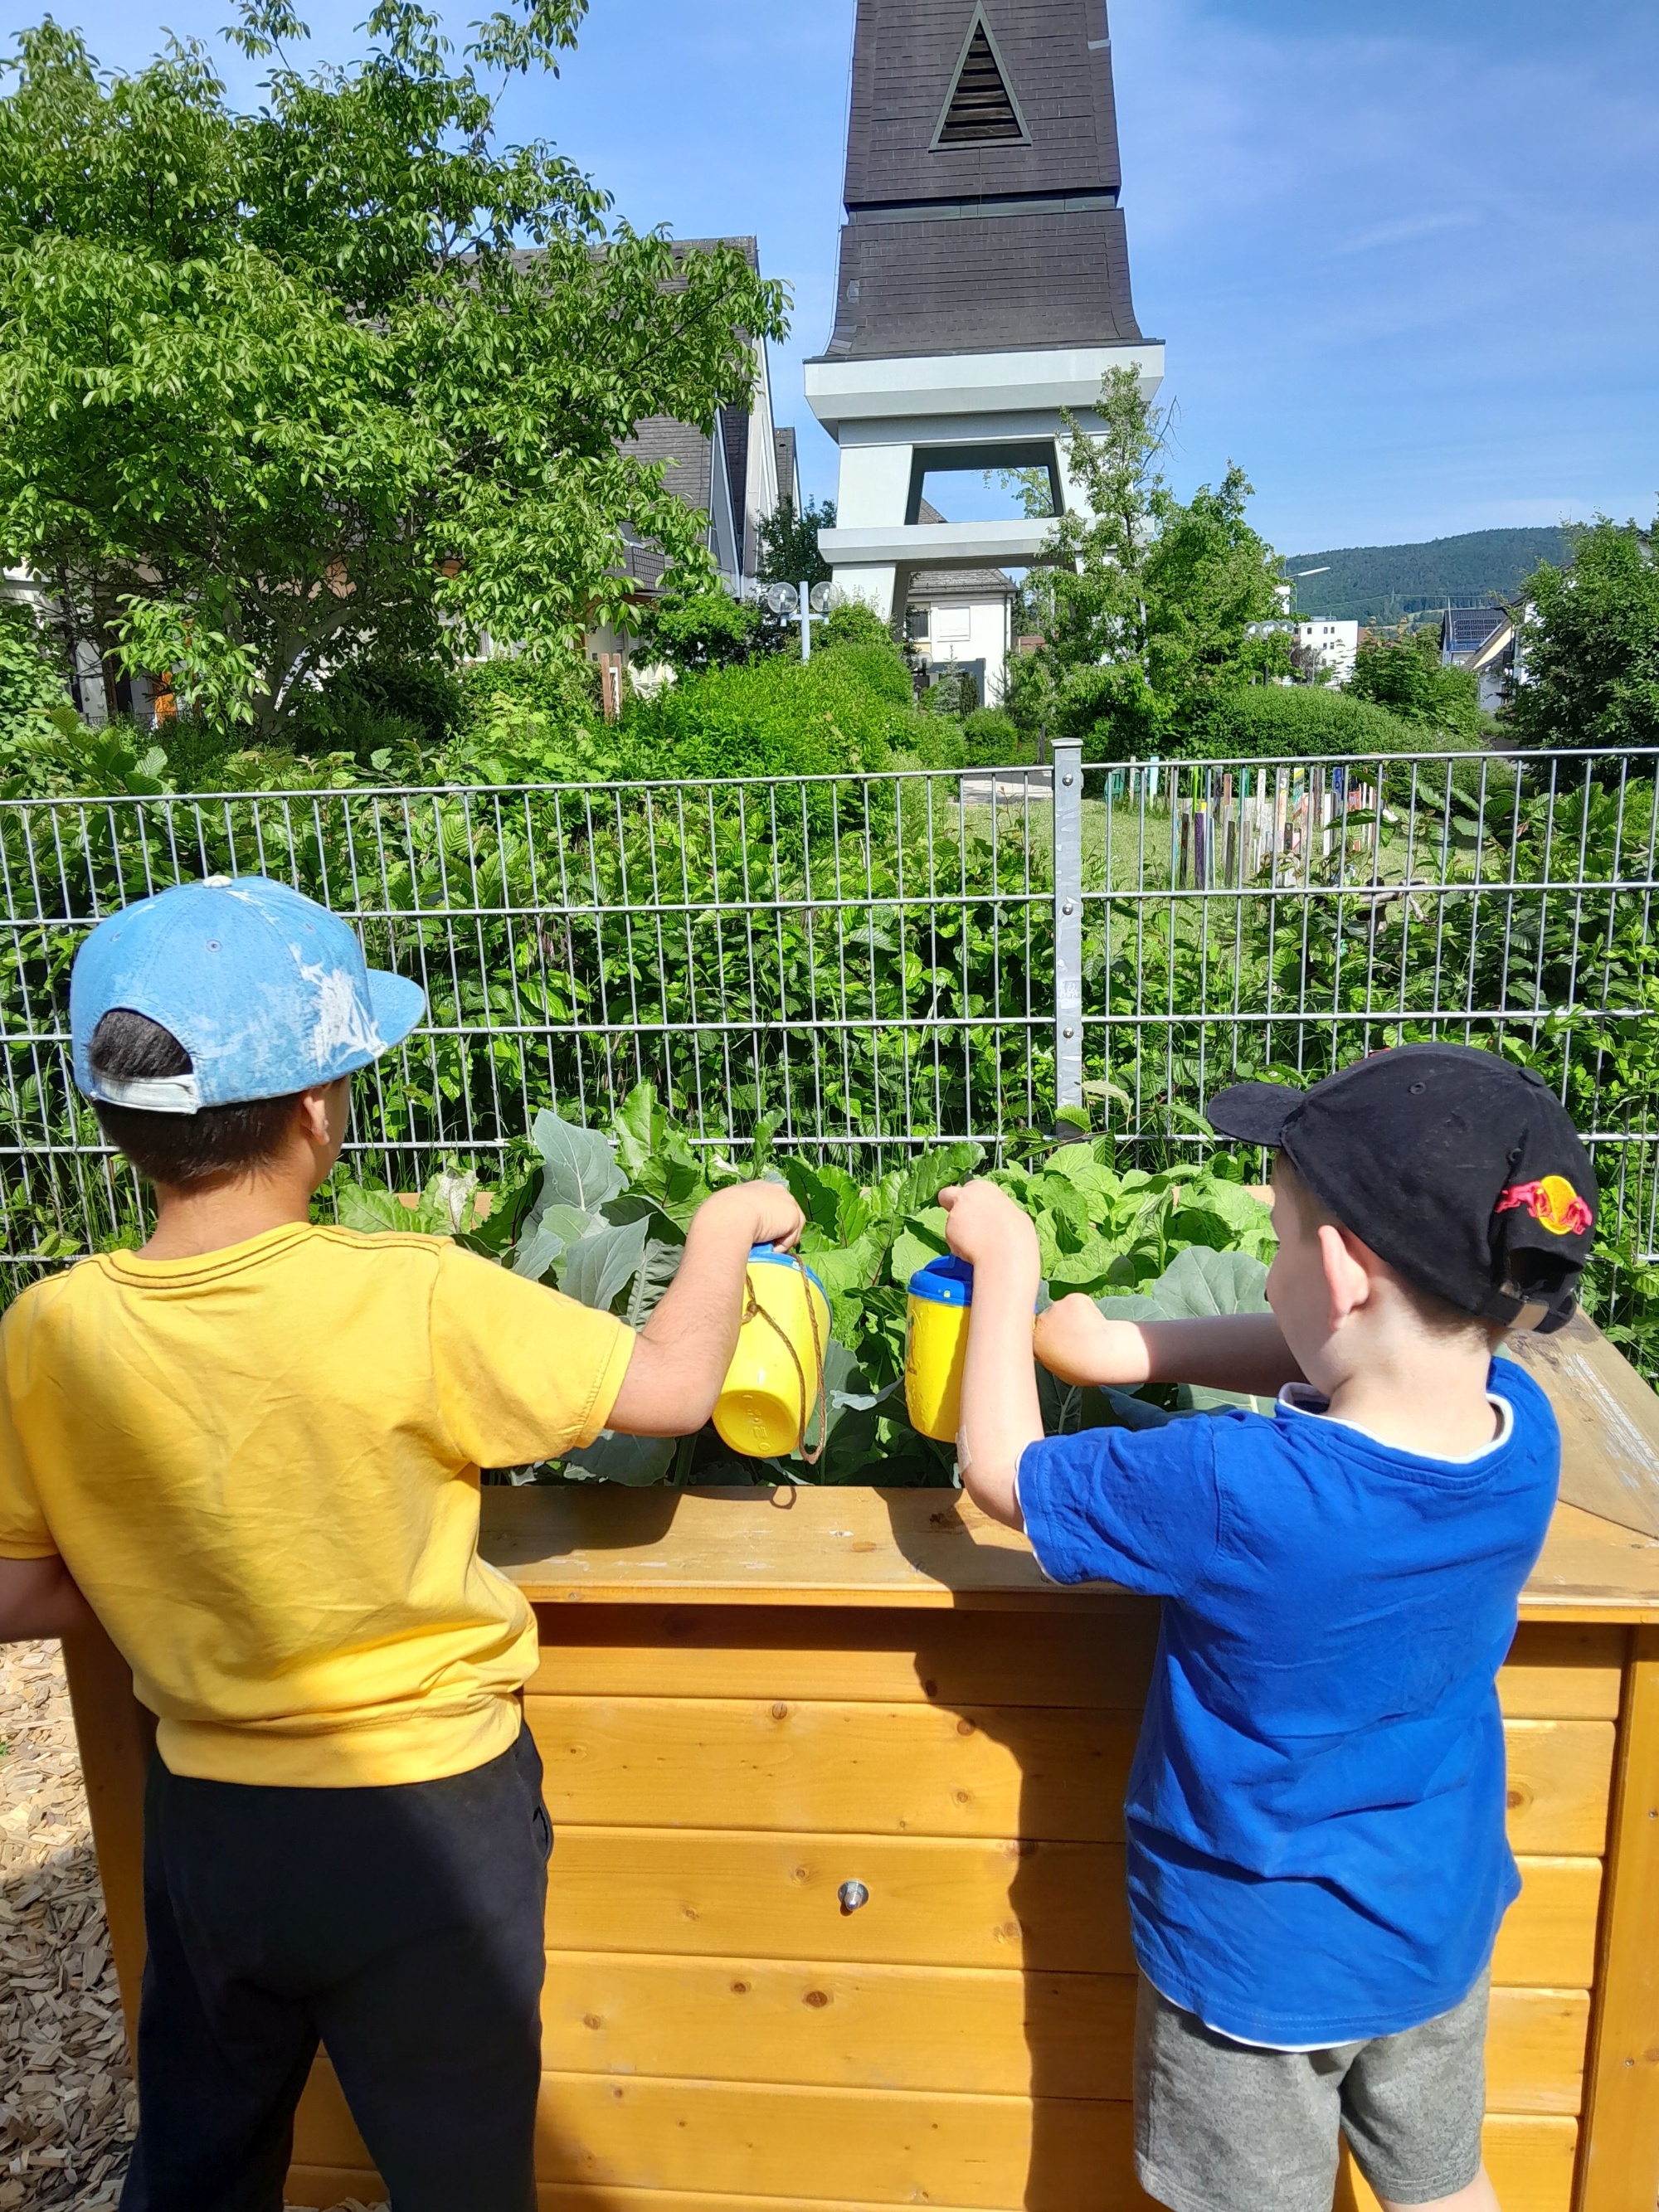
{"x": 1459, "y": 1168}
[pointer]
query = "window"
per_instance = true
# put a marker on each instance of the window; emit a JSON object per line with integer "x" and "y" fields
{"x": 980, "y": 109}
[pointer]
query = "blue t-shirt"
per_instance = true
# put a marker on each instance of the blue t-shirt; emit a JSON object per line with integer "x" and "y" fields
{"x": 1316, "y": 1851}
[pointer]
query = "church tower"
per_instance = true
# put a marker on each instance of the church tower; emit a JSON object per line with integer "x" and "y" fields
{"x": 984, "y": 276}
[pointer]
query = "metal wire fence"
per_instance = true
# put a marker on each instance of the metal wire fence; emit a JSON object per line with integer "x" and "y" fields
{"x": 860, "y": 965}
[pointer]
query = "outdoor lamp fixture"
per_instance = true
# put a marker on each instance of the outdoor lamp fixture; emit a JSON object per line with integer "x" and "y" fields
{"x": 809, "y": 604}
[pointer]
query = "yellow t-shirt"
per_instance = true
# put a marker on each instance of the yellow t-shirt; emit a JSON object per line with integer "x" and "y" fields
{"x": 261, "y": 1466}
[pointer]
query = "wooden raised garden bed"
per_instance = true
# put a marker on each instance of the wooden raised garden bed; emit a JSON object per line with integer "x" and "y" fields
{"x": 748, "y": 1700}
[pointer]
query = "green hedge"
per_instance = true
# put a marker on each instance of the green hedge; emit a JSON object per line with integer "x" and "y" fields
{"x": 848, "y": 708}
{"x": 1303, "y": 718}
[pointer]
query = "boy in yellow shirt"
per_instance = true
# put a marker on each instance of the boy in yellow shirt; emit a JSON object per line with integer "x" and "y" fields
{"x": 253, "y": 1448}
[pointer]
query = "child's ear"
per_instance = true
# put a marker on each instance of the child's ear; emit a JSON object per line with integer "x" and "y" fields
{"x": 1347, "y": 1279}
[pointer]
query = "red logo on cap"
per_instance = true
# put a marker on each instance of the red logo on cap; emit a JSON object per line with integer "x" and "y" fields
{"x": 1553, "y": 1203}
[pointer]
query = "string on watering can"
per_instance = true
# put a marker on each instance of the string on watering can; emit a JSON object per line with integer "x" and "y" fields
{"x": 752, "y": 1309}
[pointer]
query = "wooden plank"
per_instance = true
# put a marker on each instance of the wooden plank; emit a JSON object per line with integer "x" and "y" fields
{"x": 1530, "y": 2162}
{"x": 559, "y": 2196}
{"x": 315, "y": 2188}
{"x": 1002, "y": 2033}
{"x": 932, "y": 1902}
{"x": 908, "y": 1770}
{"x": 835, "y": 1768}
{"x": 115, "y": 1735}
{"x": 1102, "y": 1659}
{"x": 1592, "y": 1570}
{"x": 1563, "y": 1672}
{"x": 325, "y": 2135}
{"x": 1620, "y": 2164}
{"x": 1535, "y": 2042}
{"x": 798, "y": 1546}
{"x": 1548, "y": 1939}
{"x": 908, "y": 2027}
{"x": 916, "y": 1548}
{"x": 937, "y": 1902}
{"x": 1555, "y": 1671}
{"x": 1609, "y": 1423}
{"x": 1560, "y": 1778}
{"x": 883, "y": 2147}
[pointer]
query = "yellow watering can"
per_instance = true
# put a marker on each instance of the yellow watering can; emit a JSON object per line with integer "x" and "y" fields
{"x": 936, "y": 1346}
{"x": 776, "y": 1374}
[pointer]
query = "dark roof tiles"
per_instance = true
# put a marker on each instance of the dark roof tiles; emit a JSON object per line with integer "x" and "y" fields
{"x": 962, "y": 237}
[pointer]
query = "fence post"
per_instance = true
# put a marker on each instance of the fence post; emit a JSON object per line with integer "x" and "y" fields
{"x": 1068, "y": 923}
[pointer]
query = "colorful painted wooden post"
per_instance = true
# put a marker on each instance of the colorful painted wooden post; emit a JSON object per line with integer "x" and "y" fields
{"x": 836, "y": 1918}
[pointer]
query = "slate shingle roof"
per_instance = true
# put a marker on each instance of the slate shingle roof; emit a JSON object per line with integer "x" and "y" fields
{"x": 929, "y": 584}
{"x": 788, "y": 466}
{"x": 991, "y": 245}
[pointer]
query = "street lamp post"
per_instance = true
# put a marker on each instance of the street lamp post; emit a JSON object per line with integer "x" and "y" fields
{"x": 808, "y": 603}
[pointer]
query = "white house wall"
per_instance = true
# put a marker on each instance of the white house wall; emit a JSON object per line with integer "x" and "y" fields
{"x": 987, "y": 637}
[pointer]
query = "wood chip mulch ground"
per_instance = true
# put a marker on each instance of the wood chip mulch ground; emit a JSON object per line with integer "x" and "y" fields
{"x": 67, "y": 2107}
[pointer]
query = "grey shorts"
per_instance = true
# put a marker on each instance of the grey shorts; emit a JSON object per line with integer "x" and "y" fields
{"x": 1228, "y": 2127}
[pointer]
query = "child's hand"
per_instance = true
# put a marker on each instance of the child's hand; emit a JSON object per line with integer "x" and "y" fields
{"x": 680, "y": 1356}
{"x": 1075, "y": 1341}
{"x": 986, "y": 1228}
{"x": 772, "y": 1215}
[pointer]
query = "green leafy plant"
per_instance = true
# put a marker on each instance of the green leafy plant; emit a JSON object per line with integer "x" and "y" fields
{"x": 602, "y": 1216}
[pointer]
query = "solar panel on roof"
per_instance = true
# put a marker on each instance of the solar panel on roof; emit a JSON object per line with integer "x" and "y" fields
{"x": 981, "y": 112}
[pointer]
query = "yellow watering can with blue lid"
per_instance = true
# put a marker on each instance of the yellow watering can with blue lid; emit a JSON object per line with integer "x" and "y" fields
{"x": 776, "y": 1374}
{"x": 940, "y": 1309}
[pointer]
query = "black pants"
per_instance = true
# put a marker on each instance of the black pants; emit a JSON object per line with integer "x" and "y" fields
{"x": 401, "y": 1926}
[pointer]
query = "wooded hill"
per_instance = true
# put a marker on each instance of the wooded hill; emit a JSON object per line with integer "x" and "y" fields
{"x": 1381, "y": 583}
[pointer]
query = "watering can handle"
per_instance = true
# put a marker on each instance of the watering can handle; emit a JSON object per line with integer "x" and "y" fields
{"x": 751, "y": 1309}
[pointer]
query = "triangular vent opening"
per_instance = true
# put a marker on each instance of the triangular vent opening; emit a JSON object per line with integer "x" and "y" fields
{"x": 981, "y": 112}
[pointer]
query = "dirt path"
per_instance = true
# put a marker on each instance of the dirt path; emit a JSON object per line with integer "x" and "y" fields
{"x": 67, "y": 2107}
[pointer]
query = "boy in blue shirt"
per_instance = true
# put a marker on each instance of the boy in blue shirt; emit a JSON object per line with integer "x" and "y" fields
{"x": 1317, "y": 1865}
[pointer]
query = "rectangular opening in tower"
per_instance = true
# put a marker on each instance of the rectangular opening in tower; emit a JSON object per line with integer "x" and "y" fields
{"x": 980, "y": 109}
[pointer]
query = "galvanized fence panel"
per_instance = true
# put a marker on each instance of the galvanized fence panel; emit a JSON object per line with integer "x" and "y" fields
{"x": 859, "y": 965}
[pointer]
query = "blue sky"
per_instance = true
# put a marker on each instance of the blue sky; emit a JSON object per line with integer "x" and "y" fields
{"x": 1404, "y": 257}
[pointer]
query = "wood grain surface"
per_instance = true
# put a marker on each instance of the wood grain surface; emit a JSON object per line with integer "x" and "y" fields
{"x": 1063, "y": 1661}
{"x": 1621, "y": 2151}
{"x": 867, "y": 1769}
{"x": 1609, "y": 1422}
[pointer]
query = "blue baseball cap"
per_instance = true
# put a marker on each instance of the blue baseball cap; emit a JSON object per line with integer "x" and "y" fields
{"x": 267, "y": 991}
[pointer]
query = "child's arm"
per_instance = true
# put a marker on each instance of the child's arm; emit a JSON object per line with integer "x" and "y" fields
{"x": 1231, "y": 1351}
{"x": 1000, "y": 1411}
{"x": 38, "y": 1597}
{"x": 680, "y": 1356}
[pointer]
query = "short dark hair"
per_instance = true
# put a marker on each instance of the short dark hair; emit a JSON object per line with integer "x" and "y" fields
{"x": 1439, "y": 1316}
{"x": 180, "y": 1148}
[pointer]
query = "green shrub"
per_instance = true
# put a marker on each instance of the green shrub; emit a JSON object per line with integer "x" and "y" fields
{"x": 565, "y": 688}
{"x": 403, "y": 707}
{"x": 707, "y": 628}
{"x": 1276, "y": 718}
{"x": 853, "y": 622}
{"x": 846, "y": 710}
{"x": 992, "y": 738}
{"x": 1404, "y": 677}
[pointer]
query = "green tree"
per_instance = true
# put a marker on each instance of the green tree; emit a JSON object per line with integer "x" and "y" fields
{"x": 1151, "y": 606}
{"x": 698, "y": 624}
{"x": 341, "y": 378}
{"x": 1404, "y": 676}
{"x": 31, "y": 685}
{"x": 1591, "y": 643}
{"x": 789, "y": 544}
